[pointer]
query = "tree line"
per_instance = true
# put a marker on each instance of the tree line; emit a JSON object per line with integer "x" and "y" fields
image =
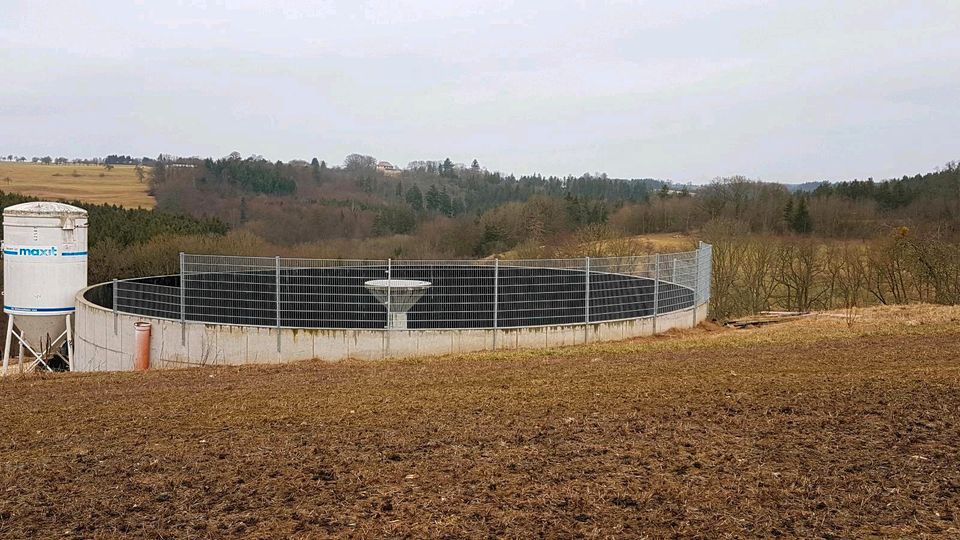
{"x": 856, "y": 209}
{"x": 300, "y": 201}
{"x": 112, "y": 159}
{"x": 753, "y": 273}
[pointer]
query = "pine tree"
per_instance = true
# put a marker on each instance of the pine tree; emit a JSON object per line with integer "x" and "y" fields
{"x": 433, "y": 198}
{"x": 444, "y": 203}
{"x": 447, "y": 169}
{"x": 414, "y": 198}
{"x": 788, "y": 213}
{"x": 801, "y": 218}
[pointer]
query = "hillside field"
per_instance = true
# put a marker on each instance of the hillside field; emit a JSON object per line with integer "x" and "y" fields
{"x": 827, "y": 427}
{"x": 87, "y": 183}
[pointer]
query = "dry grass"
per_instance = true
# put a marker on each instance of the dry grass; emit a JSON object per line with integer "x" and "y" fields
{"x": 814, "y": 428}
{"x": 88, "y": 183}
{"x": 665, "y": 242}
{"x": 641, "y": 244}
{"x": 615, "y": 246}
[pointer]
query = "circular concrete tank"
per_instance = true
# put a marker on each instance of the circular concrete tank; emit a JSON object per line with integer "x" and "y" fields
{"x": 227, "y": 310}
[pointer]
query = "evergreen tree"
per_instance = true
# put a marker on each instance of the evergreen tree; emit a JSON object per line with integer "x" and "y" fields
{"x": 433, "y": 198}
{"x": 574, "y": 209}
{"x": 414, "y": 198}
{"x": 447, "y": 169}
{"x": 788, "y": 213}
{"x": 457, "y": 207}
{"x": 444, "y": 204}
{"x": 801, "y": 218}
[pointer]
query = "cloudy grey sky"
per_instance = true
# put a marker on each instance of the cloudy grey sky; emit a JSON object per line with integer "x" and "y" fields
{"x": 784, "y": 91}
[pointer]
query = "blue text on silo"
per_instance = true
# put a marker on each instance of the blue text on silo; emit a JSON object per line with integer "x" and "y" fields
{"x": 39, "y": 252}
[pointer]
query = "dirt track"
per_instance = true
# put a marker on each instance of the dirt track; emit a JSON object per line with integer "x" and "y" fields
{"x": 842, "y": 437}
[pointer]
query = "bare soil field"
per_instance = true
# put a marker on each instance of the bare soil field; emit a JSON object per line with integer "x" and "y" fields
{"x": 88, "y": 183}
{"x": 822, "y": 428}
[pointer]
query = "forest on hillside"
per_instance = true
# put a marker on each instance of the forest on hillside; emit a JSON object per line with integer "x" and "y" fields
{"x": 826, "y": 246}
{"x": 300, "y": 202}
{"x": 489, "y": 212}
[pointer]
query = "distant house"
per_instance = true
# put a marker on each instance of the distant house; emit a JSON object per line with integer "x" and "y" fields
{"x": 388, "y": 168}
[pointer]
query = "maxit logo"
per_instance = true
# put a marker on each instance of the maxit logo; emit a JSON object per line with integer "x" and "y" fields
{"x": 39, "y": 252}
{"x": 32, "y": 251}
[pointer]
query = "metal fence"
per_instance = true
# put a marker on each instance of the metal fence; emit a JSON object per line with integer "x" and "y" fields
{"x": 315, "y": 293}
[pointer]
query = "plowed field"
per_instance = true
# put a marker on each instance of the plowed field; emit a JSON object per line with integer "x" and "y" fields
{"x": 816, "y": 428}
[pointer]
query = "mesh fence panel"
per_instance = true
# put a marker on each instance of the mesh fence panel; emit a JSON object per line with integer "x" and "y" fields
{"x": 336, "y": 293}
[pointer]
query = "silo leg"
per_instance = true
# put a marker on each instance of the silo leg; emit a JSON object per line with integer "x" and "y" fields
{"x": 69, "y": 345}
{"x": 6, "y": 345}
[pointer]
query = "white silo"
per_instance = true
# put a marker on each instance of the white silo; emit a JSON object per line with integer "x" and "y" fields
{"x": 44, "y": 267}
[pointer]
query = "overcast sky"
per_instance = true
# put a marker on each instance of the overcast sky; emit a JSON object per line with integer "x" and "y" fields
{"x": 784, "y": 91}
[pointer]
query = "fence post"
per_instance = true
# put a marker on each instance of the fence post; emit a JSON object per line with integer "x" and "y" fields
{"x": 183, "y": 302}
{"x": 115, "y": 306}
{"x": 696, "y": 286}
{"x": 656, "y": 293}
{"x": 496, "y": 292}
{"x": 586, "y": 303}
{"x": 277, "y": 272}
{"x": 389, "y": 294}
{"x": 703, "y": 281}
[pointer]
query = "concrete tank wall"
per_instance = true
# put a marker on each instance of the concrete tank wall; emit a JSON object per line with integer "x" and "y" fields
{"x": 106, "y": 342}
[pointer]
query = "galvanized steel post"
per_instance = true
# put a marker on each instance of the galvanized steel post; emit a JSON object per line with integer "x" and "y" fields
{"x": 696, "y": 285}
{"x": 277, "y": 270}
{"x": 389, "y": 293}
{"x": 586, "y": 303}
{"x": 656, "y": 293}
{"x": 183, "y": 302}
{"x": 70, "y": 362}
{"x": 115, "y": 306}
{"x": 496, "y": 280}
